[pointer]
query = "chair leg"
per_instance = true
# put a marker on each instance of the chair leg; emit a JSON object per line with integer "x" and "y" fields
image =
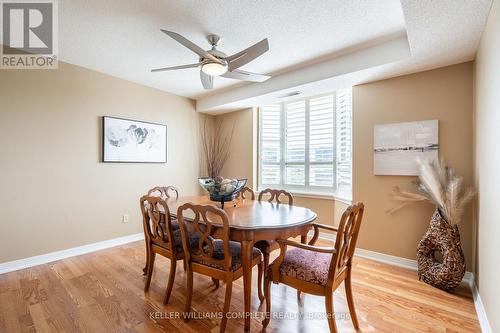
{"x": 149, "y": 273}
{"x": 216, "y": 283}
{"x": 171, "y": 278}
{"x": 330, "y": 314}
{"x": 189, "y": 296}
{"x": 148, "y": 256}
{"x": 298, "y": 294}
{"x": 184, "y": 265}
{"x": 267, "y": 293}
{"x": 260, "y": 280}
{"x": 350, "y": 300}
{"x": 227, "y": 302}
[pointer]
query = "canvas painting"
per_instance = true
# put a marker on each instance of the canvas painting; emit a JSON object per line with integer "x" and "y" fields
{"x": 397, "y": 146}
{"x": 127, "y": 140}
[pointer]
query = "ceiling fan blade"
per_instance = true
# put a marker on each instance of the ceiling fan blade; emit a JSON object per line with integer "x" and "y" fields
{"x": 244, "y": 57}
{"x": 245, "y": 76}
{"x": 190, "y": 45}
{"x": 175, "y": 67}
{"x": 206, "y": 80}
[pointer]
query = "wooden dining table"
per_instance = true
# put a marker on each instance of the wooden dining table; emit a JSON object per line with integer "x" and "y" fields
{"x": 251, "y": 221}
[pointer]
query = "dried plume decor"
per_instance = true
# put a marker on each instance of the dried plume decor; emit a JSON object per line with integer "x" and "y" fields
{"x": 441, "y": 186}
{"x": 216, "y": 145}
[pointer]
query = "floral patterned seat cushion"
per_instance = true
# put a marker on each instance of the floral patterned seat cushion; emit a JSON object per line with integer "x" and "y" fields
{"x": 235, "y": 248}
{"x": 306, "y": 265}
{"x": 177, "y": 237}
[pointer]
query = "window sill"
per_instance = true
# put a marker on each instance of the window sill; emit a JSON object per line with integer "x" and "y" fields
{"x": 322, "y": 196}
{"x": 318, "y": 195}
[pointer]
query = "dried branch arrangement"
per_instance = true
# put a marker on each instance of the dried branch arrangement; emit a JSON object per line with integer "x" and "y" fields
{"x": 439, "y": 185}
{"x": 216, "y": 145}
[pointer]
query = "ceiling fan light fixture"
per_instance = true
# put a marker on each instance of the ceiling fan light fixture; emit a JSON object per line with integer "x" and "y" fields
{"x": 214, "y": 68}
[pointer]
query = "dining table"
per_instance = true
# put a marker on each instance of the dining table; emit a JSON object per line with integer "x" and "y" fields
{"x": 251, "y": 221}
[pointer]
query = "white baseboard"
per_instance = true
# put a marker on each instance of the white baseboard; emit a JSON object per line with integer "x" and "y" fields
{"x": 412, "y": 264}
{"x": 386, "y": 259}
{"x": 480, "y": 310}
{"x": 75, "y": 251}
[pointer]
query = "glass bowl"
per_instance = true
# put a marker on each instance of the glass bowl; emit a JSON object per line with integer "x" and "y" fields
{"x": 225, "y": 190}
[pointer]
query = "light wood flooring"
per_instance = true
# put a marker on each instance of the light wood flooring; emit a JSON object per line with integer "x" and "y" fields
{"x": 103, "y": 292}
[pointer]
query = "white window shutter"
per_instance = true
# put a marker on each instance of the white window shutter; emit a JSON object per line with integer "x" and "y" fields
{"x": 321, "y": 141}
{"x": 295, "y": 143}
{"x": 305, "y": 145}
{"x": 270, "y": 146}
{"x": 344, "y": 142}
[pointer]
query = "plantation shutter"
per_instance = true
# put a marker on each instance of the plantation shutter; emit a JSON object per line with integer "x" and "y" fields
{"x": 321, "y": 141}
{"x": 305, "y": 145}
{"x": 295, "y": 143}
{"x": 270, "y": 141}
{"x": 344, "y": 141}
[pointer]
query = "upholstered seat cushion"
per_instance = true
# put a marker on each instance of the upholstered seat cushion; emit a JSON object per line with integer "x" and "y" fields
{"x": 175, "y": 224}
{"x": 235, "y": 248}
{"x": 177, "y": 237}
{"x": 306, "y": 265}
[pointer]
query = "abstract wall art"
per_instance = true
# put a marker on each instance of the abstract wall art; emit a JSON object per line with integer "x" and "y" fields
{"x": 126, "y": 140}
{"x": 396, "y": 147}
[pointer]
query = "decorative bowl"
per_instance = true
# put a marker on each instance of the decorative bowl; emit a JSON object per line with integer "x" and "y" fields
{"x": 224, "y": 190}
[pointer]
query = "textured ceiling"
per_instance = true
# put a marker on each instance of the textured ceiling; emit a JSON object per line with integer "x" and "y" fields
{"x": 122, "y": 37}
{"x": 439, "y": 33}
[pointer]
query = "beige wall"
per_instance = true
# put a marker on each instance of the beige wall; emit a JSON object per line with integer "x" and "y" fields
{"x": 240, "y": 162}
{"x": 444, "y": 94}
{"x": 487, "y": 147}
{"x": 55, "y": 193}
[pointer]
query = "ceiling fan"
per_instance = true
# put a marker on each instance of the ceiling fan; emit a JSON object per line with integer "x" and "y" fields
{"x": 216, "y": 63}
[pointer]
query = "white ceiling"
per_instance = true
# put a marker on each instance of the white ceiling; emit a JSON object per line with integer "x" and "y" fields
{"x": 122, "y": 38}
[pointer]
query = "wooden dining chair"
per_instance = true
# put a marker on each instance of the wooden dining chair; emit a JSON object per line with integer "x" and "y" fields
{"x": 319, "y": 270}
{"x": 243, "y": 193}
{"x": 164, "y": 192}
{"x": 267, "y": 246}
{"x": 161, "y": 238}
{"x": 218, "y": 257}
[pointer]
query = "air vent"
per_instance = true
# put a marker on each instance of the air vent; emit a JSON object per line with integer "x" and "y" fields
{"x": 290, "y": 94}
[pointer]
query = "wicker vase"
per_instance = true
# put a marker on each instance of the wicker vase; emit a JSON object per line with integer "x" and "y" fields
{"x": 447, "y": 273}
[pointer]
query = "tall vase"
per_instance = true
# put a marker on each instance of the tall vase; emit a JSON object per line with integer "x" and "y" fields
{"x": 445, "y": 273}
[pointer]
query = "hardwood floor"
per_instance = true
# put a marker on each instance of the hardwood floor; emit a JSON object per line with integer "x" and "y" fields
{"x": 103, "y": 292}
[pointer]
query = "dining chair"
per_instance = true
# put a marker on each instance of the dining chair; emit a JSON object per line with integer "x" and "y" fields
{"x": 164, "y": 192}
{"x": 161, "y": 238}
{"x": 267, "y": 246}
{"x": 319, "y": 270}
{"x": 218, "y": 258}
{"x": 244, "y": 190}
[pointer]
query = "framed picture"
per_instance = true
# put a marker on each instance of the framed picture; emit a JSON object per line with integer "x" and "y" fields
{"x": 396, "y": 147}
{"x": 133, "y": 141}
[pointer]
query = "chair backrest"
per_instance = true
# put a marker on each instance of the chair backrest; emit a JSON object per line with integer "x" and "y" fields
{"x": 156, "y": 221}
{"x": 204, "y": 222}
{"x": 345, "y": 241}
{"x": 164, "y": 192}
{"x": 245, "y": 189}
{"x": 275, "y": 195}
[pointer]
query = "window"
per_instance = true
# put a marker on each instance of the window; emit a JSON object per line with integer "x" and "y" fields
{"x": 305, "y": 145}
